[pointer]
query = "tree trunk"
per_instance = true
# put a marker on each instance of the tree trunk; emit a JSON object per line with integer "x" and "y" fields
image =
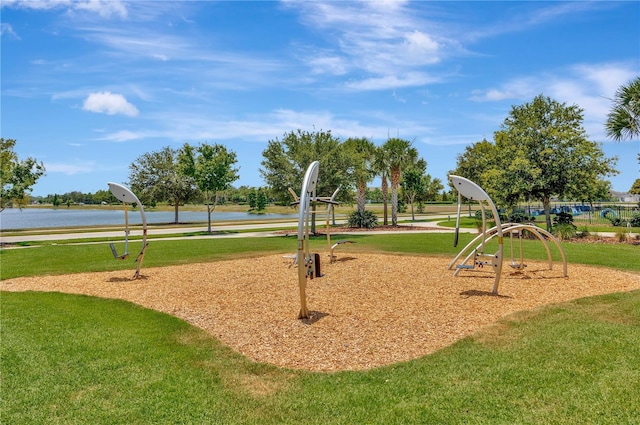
{"x": 546, "y": 202}
{"x": 176, "y": 205}
{"x": 361, "y": 196}
{"x": 209, "y": 210}
{"x": 385, "y": 195}
{"x": 413, "y": 216}
{"x": 395, "y": 182}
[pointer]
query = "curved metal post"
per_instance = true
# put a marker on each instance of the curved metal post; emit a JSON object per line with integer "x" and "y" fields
{"x": 542, "y": 235}
{"x": 304, "y": 257}
{"x": 330, "y": 206}
{"x": 472, "y": 191}
{"x": 125, "y": 195}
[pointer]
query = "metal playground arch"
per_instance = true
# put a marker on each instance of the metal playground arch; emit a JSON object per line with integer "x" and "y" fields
{"x": 125, "y": 195}
{"x": 475, "y": 250}
{"x": 308, "y": 262}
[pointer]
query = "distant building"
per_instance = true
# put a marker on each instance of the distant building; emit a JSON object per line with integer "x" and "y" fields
{"x": 625, "y": 197}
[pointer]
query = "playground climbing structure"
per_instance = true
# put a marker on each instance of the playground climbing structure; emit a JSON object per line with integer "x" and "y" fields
{"x": 473, "y": 255}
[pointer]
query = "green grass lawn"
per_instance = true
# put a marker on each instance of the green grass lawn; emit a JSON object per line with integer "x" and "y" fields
{"x": 72, "y": 258}
{"x": 83, "y": 360}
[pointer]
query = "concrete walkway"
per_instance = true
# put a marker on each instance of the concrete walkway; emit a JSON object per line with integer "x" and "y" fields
{"x": 220, "y": 231}
{"x": 235, "y": 230}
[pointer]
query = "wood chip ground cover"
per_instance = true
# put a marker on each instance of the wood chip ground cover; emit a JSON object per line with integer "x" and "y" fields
{"x": 368, "y": 310}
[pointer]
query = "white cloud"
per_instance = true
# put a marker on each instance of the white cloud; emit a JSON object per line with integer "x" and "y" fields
{"x": 70, "y": 169}
{"x": 607, "y": 77}
{"x": 104, "y": 8}
{"x": 7, "y": 30}
{"x": 595, "y": 80}
{"x": 122, "y": 136}
{"x": 386, "y": 82}
{"x": 179, "y": 126}
{"x": 418, "y": 43}
{"x": 160, "y": 57}
{"x": 523, "y": 16}
{"x": 517, "y": 88}
{"x": 109, "y": 103}
{"x": 589, "y": 86}
{"x": 330, "y": 64}
{"x": 387, "y": 40}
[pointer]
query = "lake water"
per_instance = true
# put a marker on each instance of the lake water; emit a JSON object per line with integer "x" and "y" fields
{"x": 35, "y": 218}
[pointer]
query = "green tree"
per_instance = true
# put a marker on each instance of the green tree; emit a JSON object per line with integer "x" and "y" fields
{"x": 240, "y": 195}
{"x": 103, "y": 196}
{"x": 380, "y": 167}
{"x": 211, "y": 168}
{"x": 400, "y": 155}
{"x": 261, "y": 200}
{"x": 17, "y": 177}
{"x": 432, "y": 188}
{"x": 542, "y": 151}
{"x": 413, "y": 183}
{"x": 635, "y": 188}
{"x": 623, "y": 121}
{"x": 286, "y": 161}
{"x": 474, "y": 162}
{"x": 361, "y": 151}
{"x": 374, "y": 194}
{"x": 252, "y": 197}
{"x": 155, "y": 177}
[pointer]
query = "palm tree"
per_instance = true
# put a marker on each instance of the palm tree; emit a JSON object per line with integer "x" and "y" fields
{"x": 400, "y": 153}
{"x": 623, "y": 122}
{"x": 380, "y": 166}
{"x": 361, "y": 154}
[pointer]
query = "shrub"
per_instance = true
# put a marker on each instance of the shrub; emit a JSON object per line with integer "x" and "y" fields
{"x": 520, "y": 217}
{"x": 615, "y": 221}
{"x": 487, "y": 214}
{"x": 621, "y": 235}
{"x": 365, "y": 219}
{"x": 583, "y": 232}
{"x": 563, "y": 226}
{"x": 635, "y": 220}
{"x": 563, "y": 218}
{"x": 564, "y": 231}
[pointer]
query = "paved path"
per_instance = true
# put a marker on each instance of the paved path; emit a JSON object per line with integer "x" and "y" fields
{"x": 221, "y": 231}
{"x": 234, "y": 231}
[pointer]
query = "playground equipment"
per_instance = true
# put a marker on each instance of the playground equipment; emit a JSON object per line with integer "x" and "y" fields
{"x": 605, "y": 213}
{"x": 476, "y": 248}
{"x": 332, "y": 256}
{"x": 127, "y": 196}
{"x": 308, "y": 262}
{"x": 330, "y": 206}
{"x": 331, "y": 202}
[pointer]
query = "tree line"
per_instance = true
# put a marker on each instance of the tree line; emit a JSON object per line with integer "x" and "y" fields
{"x": 206, "y": 172}
{"x": 540, "y": 151}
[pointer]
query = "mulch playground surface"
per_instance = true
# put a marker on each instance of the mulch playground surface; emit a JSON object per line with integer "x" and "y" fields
{"x": 368, "y": 310}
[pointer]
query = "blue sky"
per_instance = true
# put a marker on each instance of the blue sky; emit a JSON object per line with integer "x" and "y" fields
{"x": 89, "y": 86}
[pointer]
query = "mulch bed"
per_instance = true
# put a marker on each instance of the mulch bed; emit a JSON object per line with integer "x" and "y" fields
{"x": 368, "y": 310}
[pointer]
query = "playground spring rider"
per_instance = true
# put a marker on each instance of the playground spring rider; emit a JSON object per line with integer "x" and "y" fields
{"x": 472, "y": 191}
{"x": 127, "y": 197}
